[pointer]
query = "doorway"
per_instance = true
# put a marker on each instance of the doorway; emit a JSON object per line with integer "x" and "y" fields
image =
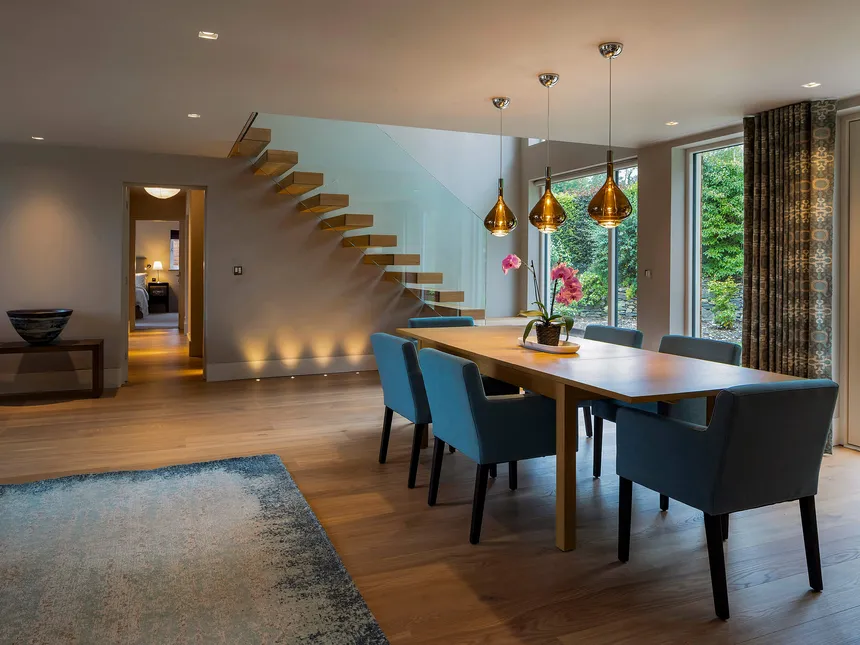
{"x": 164, "y": 288}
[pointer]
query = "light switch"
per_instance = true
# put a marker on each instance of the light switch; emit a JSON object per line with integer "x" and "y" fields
{"x": 237, "y": 270}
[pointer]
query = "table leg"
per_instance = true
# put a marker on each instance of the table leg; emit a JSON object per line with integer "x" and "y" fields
{"x": 566, "y": 438}
{"x": 98, "y": 370}
{"x": 709, "y": 409}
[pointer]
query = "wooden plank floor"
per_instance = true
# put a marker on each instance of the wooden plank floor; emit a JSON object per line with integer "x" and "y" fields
{"x": 421, "y": 578}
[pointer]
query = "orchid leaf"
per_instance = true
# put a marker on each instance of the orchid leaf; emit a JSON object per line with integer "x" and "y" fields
{"x": 528, "y": 328}
{"x": 568, "y": 325}
{"x": 530, "y": 313}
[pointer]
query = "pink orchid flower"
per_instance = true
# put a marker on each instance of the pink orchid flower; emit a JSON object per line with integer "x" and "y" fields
{"x": 511, "y": 262}
{"x": 562, "y": 272}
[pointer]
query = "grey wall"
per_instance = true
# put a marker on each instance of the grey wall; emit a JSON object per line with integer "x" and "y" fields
{"x": 303, "y": 303}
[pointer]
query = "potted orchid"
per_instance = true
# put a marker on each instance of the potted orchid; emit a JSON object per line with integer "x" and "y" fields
{"x": 566, "y": 289}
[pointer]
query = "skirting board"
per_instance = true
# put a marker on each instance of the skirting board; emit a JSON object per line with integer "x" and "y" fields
{"x": 289, "y": 367}
{"x": 59, "y": 381}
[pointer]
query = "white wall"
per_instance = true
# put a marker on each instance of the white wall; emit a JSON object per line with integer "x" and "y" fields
{"x": 303, "y": 303}
{"x": 468, "y": 166}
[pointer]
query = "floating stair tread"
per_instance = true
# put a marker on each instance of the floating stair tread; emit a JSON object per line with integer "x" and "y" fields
{"x": 436, "y": 295}
{"x": 299, "y": 183}
{"x": 275, "y": 162}
{"x": 346, "y": 222}
{"x": 408, "y": 277}
{"x": 369, "y": 241}
{"x": 253, "y": 143}
{"x": 323, "y": 203}
{"x": 458, "y": 311}
{"x": 393, "y": 259}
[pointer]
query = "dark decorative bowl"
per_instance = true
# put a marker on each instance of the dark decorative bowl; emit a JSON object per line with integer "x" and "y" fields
{"x": 39, "y": 326}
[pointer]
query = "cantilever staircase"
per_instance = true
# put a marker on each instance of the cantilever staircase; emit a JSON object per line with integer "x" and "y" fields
{"x": 278, "y": 166}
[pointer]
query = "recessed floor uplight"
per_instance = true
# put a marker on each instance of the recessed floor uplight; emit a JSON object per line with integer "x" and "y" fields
{"x": 292, "y": 377}
{"x": 258, "y": 380}
{"x": 812, "y": 84}
{"x": 38, "y": 138}
{"x": 671, "y": 123}
{"x": 193, "y": 115}
{"x": 207, "y": 35}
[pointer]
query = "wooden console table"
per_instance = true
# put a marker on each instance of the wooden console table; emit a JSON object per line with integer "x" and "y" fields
{"x": 95, "y": 346}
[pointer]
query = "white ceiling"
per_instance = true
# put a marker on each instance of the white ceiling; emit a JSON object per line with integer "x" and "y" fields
{"x": 123, "y": 74}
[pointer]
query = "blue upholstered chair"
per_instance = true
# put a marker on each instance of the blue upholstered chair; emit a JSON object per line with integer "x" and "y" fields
{"x": 690, "y": 410}
{"x": 763, "y": 446}
{"x": 403, "y": 391}
{"x": 442, "y": 321}
{"x": 616, "y": 336}
{"x": 488, "y": 430}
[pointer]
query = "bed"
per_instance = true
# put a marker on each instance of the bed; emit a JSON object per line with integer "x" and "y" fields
{"x": 141, "y": 296}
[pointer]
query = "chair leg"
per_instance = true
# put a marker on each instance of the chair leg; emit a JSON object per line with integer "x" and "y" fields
{"x": 810, "y": 541}
{"x": 478, "y": 502}
{"x": 512, "y": 475}
{"x": 724, "y": 525}
{"x": 598, "y": 445}
{"x": 625, "y": 513}
{"x": 386, "y": 434}
{"x": 717, "y": 559}
{"x": 664, "y": 502}
{"x": 586, "y": 413}
{"x": 420, "y": 429}
{"x": 435, "y": 470}
{"x": 494, "y": 471}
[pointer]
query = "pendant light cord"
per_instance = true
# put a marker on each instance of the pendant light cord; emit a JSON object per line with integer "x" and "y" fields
{"x": 501, "y": 134}
{"x": 610, "y": 103}
{"x": 547, "y": 125}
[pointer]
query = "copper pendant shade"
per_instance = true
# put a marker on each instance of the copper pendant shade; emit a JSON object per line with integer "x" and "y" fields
{"x": 500, "y": 220}
{"x": 547, "y": 215}
{"x": 610, "y": 206}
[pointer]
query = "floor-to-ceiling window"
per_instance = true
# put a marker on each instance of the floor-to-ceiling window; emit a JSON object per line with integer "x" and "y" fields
{"x": 718, "y": 247}
{"x": 606, "y": 260}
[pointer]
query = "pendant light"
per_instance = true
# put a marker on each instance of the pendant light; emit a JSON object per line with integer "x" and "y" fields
{"x": 547, "y": 215}
{"x": 610, "y": 206}
{"x": 500, "y": 220}
{"x": 162, "y": 193}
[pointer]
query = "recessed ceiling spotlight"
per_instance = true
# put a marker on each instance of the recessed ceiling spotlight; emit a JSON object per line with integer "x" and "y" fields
{"x": 671, "y": 123}
{"x": 38, "y": 138}
{"x": 194, "y": 115}
{"x": 812, "y": 84}
{"x": 207, "y": 35}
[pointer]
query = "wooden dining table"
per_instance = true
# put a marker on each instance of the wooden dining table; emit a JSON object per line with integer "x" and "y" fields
{"x": 598, "y": 370}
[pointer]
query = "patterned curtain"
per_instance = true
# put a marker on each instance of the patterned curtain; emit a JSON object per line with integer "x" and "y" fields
{"x": 788, "y": 239}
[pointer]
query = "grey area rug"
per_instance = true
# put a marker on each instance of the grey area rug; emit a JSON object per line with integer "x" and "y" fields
{"x": 218, "y": 552}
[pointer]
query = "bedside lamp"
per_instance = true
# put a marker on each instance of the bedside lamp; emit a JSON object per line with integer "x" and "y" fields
{"x": 158, "y": 268}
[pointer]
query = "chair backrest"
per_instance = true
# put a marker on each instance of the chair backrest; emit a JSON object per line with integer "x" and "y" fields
{"x": 454, "y": 390}
{"x": 614, "y": 335}
{"x": 402, "y": 384}
{"x": 443, "y": 321}
{"x": 718, "y": 351}
{"x": 768, "y": 441}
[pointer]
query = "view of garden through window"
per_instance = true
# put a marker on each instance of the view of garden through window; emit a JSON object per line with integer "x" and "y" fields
{"x": 721, "y": 222}
{"x": 584, "y": 245}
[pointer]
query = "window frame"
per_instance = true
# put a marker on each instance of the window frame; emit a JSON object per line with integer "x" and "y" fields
{"x": 612, "y": 255}
{"x": 693, "y": 277}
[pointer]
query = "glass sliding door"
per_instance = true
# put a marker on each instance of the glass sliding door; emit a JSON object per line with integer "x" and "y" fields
{"x": 627, "y": 252}
{"x": 606, "y": 259}
{"x": 583, "y": 245}
{"x": 718, "y": 256}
